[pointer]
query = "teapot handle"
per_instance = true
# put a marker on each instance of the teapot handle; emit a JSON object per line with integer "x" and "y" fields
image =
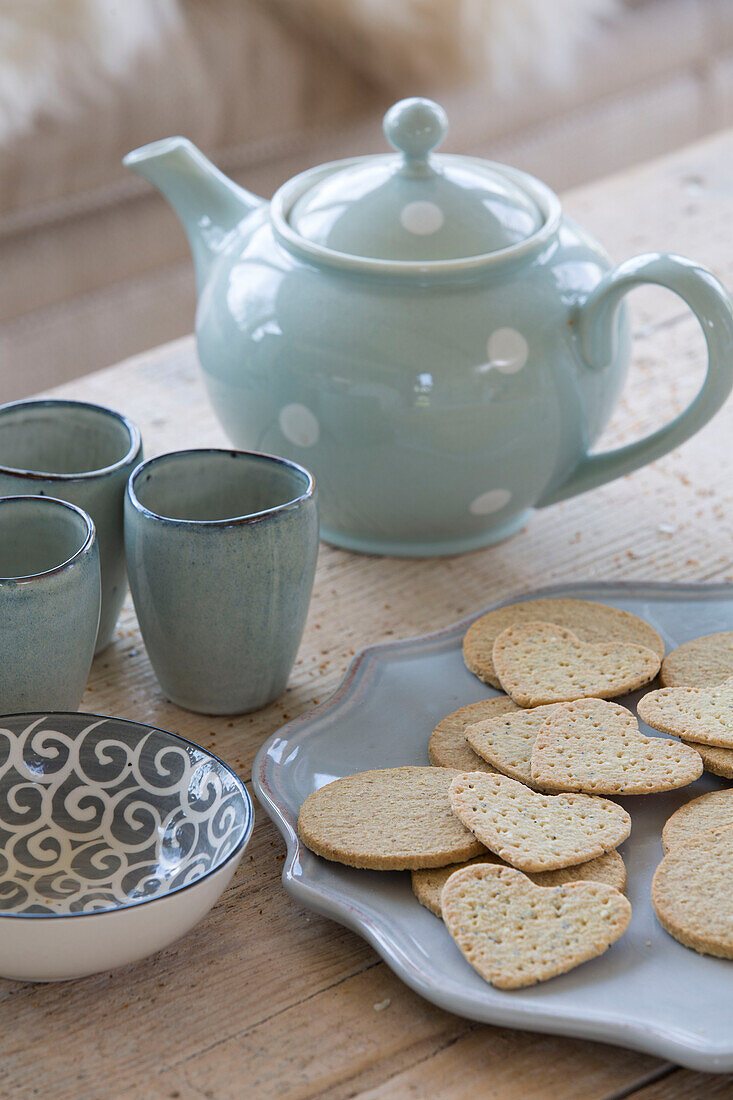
{"x": 595, "y": 320}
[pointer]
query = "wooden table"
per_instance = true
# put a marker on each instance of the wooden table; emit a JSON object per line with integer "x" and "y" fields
{"x": 265, "y": 999}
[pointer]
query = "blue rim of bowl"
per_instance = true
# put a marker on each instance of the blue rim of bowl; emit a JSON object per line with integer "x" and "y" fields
{"x": 89, "y": 539}
{"x": 246, "y": 797}
{"x": 230, "y": 521}
{"x": 102, "y": 471}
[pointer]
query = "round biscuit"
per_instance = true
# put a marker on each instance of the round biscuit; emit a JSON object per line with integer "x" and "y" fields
{"x": 691, "y": 893}
{"x": 389, "y": 819}
{"x": 703, "y": 662}
{"x": 715, "y": 761}
{"x": 705, "y": 814}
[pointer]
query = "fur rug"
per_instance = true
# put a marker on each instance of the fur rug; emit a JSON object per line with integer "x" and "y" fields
{"x": 55, "y": 54}
{"x": 406, "y": 44}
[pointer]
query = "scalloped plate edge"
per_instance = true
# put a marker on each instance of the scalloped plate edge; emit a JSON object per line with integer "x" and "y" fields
{"x": 650, "y": 1040}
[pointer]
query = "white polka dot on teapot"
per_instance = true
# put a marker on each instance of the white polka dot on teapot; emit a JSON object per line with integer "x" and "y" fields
{"x": 421, "y": 218}
{"x": 299, "y": 425}
{"x": 493, "y": 501}
{"x": 507, "y": 350}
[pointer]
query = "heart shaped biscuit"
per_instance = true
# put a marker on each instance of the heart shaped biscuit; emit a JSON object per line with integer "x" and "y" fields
{"x": 594, "y": 746}
{"x": 592, "y": 622}
{"x": 447, "y": 747}
{"x": 427, "y": 884}
{"x": 506, "y": 741}
{"x": 515, "y": 934}
{"x": 704, "y": 715}
{"x": 540, "y": 663}
{"x": 536, "y": 832}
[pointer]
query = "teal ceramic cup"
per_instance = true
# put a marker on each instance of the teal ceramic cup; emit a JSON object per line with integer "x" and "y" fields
{"x": 221, "y": 552}
{"x": 83, "y": 454}
{"x": 50, "y": 596}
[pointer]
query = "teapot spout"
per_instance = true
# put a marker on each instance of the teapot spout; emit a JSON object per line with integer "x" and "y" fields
{"x": 208, "y": 203}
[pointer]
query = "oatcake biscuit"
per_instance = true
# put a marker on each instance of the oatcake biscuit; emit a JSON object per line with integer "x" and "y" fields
{"x": 702, "y": 815}
{"x": 716, "y": 761}
{"x": 702, "y": 662}
{"x": 597, "y": 747}
{"x": 692, "y": 896}
{"x": 592, "y": 622}
{"x": 515, "y": 934}
{"x": 448, "y": 748}
{"x": 506, "y": 742}
{"x": 608, "y": 868}
{"x": 427, "y": 885}
{"x": 390, "y": 819}
{"x": 536, "y": 832}
{"x": 539, "y": 663}
{"x": 704, "y": 715}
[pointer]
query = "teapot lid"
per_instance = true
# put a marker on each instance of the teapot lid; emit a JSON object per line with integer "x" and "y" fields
{"x": 416, "y": 206}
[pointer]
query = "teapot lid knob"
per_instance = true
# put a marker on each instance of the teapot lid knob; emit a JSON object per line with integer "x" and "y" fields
{"x": 415, "y": 127}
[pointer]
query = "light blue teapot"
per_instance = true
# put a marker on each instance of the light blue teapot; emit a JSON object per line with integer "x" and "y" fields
{"x": 428, "y": 334}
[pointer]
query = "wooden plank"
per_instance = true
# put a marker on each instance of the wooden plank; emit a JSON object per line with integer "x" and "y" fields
{"x": 683, "y": 1084}
{"x": 261, "y": 991}
{"x": 517, "y": 1069}
{"x": 127, "y": 1020}
{"x": 389, "y": 1042}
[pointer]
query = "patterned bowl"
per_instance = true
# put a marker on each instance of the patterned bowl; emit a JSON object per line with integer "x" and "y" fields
{"x": 115, "y": 839}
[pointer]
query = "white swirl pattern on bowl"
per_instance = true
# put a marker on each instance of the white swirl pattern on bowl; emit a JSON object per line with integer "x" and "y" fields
{"x": 108, "y": 814}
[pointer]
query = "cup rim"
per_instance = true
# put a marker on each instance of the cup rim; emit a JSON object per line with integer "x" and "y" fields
{"x": 88, "y": 540}
{"x": 230, "y": 521}
{"x": 49, "y": 402}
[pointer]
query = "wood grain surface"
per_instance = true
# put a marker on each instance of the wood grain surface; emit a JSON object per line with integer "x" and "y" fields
{"x": 266, "y": 999}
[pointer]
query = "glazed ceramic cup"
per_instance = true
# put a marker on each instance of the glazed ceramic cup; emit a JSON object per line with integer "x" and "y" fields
{"x": 84, "y": 454}
{"x": 49, "y": 603}
{"x": 221, "y": 551}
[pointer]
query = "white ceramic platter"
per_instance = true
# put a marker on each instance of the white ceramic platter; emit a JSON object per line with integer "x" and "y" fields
{"x": 647, "y": 992}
